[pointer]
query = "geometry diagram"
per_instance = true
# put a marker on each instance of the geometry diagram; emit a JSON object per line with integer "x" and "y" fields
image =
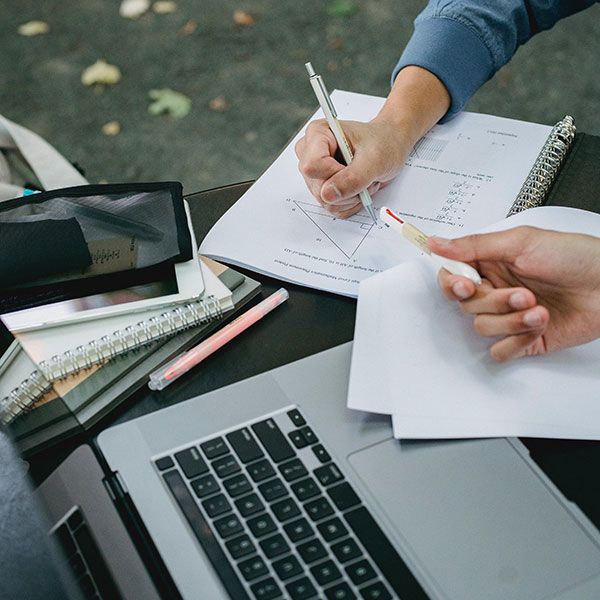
{"x": 428, "y": 148}
{"x": 345, "y": 234}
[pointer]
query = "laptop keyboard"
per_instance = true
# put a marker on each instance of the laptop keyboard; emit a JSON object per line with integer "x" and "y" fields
{"x": 83, "y": 557}
{"x": 277, "y": 518}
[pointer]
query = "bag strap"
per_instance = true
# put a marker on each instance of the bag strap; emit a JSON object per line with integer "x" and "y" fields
{"x": 51, "y": 168}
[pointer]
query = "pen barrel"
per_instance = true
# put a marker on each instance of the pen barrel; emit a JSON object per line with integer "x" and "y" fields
{"x": 416, "y": 236}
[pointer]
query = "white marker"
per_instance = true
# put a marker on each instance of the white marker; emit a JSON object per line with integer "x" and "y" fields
{"x": 419, "y": 239}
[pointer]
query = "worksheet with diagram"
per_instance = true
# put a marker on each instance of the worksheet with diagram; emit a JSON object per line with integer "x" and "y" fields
{"x": 460, "y": 177}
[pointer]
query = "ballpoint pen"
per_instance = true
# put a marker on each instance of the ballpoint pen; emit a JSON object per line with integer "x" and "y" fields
{"x": 331, "y": 116}
{"x": 419, "y": 239}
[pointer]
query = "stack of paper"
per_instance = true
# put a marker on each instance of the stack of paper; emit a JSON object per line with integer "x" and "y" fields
{"x": 417, "y": 358}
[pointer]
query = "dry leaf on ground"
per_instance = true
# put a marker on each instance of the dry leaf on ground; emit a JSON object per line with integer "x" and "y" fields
{"x": 132, "y": 9}
{"x": 188, "y": 28}
{"x": 101, "y": 73}
{"x": 218, "y": 104}
{"x": 164, "y": 7}
{"x": 111, "y": 128}
{"x": 32, "y": 28}
{"x": 243, "y": 18}
{"x": 169, "y": 101}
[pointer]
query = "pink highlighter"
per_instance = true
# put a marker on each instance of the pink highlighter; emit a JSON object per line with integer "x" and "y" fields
{"x": 180, "y": 365}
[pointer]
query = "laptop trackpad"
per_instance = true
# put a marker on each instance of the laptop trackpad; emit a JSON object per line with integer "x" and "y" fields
{"x": 479, "y": 518}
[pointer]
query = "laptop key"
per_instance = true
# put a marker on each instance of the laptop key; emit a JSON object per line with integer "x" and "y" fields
{"x": 296, "y": 418}
{"x": 328, "y": 474}
{"x": 383, "y": 554}
{"x": 237, "y": 485}
{"x": 204, "y": 534}
{"x": 343, "y": 496}
{"x": 375, "y": 591}
{"x": 309, "y": 435}
{"x": 312, "y": 551}
{"x": 244, "y": 445}
{"x": 319, "y": 508}
{"x": 297, "y": 438}
{"x": 240, "y": 546}
{"x": 265, "y": 589}
{"x": 65, "y": 538}
{"x": 360, "y": 572}
{"x": 305, "y": 489}
{"x": 325, "y": 572}
{"x": 346, "y": 550}
{"x": 272, "y": 489}
{"x": 260, "y": 470}
{"x": 216, "y": 505}
{"x": 205, "y": 486}
{"x": 164, "y": 463}
{"x": 261, "y": 525}
{"x": 252, "y": 568}
{"x": 332, "y": 529}
{"x": 288, "y": 567}
{"x": 228, "y": 526}
{"x": 191, "y": 463}
{"x": 273, "y": 440}
{"x": 214, "y": 448}
{"x": 298, "y": 530}
{"x": 285, "y": 509}
{"x": 293, "y": 469}
{"x": 225, "y": 466}
{"x": 301, "y": 589}
{"x": 340, "y": 591}
{"x": 249, "y": 505}
{"x": 321, "y": 454}
{"x": 77, "y": 565}
{"x": 274, "y": 546}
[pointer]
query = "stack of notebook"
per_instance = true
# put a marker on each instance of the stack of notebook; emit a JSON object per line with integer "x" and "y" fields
{"x": 46, "y": 391}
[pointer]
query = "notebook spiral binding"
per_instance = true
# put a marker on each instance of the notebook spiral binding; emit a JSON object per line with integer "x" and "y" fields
{"x": 95, "y": 352}
{"x": 546, "y": 167}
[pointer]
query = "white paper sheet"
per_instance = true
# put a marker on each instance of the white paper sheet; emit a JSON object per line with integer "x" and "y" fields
{"x": 461, "y": 176}
{"x": 417, "y": 357}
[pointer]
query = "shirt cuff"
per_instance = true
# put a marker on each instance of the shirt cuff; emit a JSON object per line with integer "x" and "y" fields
{"x": 454, "y": 53}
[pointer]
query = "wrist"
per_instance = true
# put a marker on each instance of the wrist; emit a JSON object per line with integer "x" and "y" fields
{"x": 417, "y": 101}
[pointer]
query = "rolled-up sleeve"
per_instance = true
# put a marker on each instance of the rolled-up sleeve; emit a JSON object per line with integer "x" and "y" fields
{"x": 465, "y": 42}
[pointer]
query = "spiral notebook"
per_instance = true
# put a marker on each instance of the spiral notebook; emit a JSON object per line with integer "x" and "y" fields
{"x": 58, "y": 352}
{"x": 460, "y": 177}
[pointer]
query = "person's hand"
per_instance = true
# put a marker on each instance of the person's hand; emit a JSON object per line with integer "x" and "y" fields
{"x": 541, "y": 291}
{"x": 379, "y": 153}
{"x": 417, "y": 102}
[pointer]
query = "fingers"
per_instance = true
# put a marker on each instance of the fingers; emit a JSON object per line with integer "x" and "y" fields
{"x": 533, "y": 320}
{"x": 515, "y": 346}
{"x": 498, "y": 246}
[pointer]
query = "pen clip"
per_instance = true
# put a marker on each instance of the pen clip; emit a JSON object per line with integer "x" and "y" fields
{"x": 326, "y": 95}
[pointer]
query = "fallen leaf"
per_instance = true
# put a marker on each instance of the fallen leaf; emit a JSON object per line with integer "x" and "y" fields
{"x": 132, "y": 9}
{"x": 164, "y": 7}
{"x": 111, "y": 128}
{"x": 336, "y": 43}
{"x": 218, "y": 104}
{"x": 101, "y": 73}
{"x": 341, "y": 8}
{"x": 32, "y": 28}
{"x": 169, "y": 101}
{"x": 242, "y": 18}
{"x": 331, "y": 66}
{"x": 188, "y": 28}
{"x": 251, "y": 136}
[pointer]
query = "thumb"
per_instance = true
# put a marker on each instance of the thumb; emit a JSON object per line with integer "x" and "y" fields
{"x": 498, "y": 246}
{"x": 348, "y": 181}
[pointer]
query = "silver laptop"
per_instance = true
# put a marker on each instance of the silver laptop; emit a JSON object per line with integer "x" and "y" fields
{"x": 272, "y": 488}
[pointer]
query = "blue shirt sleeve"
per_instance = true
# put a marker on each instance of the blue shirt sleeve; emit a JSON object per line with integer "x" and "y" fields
{"x": 464, "y": 42}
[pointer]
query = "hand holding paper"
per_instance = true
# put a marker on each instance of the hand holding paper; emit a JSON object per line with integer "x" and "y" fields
{"x": 542, "y": 292}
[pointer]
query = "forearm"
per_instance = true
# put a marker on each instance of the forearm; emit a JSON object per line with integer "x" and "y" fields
{"x": 417, "y": 101}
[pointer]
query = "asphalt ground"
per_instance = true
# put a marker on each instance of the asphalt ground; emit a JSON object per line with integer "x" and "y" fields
{"x": 256, "y": 73}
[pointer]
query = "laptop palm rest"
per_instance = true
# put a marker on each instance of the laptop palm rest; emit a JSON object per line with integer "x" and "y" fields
{"x": 492, "y": 529}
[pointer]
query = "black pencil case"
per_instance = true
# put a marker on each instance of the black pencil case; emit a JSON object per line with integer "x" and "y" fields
{"x": 84, "y": 240}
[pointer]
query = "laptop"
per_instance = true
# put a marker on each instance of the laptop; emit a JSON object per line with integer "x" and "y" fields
{"x": 272, "y": 488}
